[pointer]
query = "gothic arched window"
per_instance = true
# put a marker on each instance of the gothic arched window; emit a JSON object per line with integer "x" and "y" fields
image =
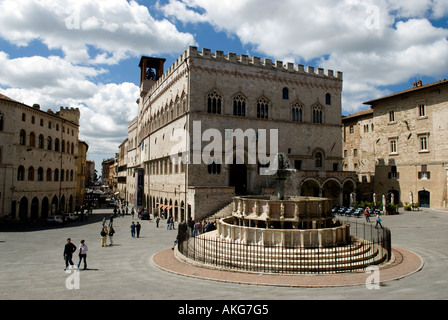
{"x": 214, "y": 103}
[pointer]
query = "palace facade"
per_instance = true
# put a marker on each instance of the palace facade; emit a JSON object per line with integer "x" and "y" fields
{"x": 179, "y": 158}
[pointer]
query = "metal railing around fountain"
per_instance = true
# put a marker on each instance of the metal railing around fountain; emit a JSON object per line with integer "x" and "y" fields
{"x": 369, "y": 246}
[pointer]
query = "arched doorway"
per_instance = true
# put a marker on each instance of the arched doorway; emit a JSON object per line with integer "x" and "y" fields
{"x": 23, "y": 209}
{"x": 347, "y": 189}
{"x": 332, "y": 189}
{"x": 310, "y": 188}
{"x": 54, "y": 205}
{"x": 34, "y": 209}
{"x": 45, "y": 207}
{"x": 238, "y": 176}
{"x": 424, "y": 198}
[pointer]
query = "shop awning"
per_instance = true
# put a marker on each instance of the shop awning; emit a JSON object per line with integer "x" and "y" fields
{"x": 160, "y": 206}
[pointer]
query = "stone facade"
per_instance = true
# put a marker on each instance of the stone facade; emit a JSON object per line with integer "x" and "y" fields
{"x": 38, "y": 166}
{"x": 410, "y": 149}
{"x": 205, "y": 90}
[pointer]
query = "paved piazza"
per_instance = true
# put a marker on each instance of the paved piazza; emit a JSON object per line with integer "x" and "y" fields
{"x": 32, "y": 265}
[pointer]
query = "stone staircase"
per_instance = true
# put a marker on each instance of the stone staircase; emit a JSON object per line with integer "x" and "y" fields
{"x": 213, "y": 251}
{"x": 221, "y": 213}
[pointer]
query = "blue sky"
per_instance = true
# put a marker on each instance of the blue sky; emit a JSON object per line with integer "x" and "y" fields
{"x": 85, "y": 53}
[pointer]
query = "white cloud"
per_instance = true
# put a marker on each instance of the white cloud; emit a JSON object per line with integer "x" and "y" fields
{"x": 115, "y": 28}
{"x": 52, "y": 82}
{"x": 375, "y": 43}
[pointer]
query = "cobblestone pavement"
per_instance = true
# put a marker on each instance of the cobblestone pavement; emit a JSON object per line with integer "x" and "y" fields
{"x": 32, "y": 265}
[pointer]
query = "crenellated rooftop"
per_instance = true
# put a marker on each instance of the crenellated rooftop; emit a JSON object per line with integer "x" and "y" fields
{"x": 192, "y": 52}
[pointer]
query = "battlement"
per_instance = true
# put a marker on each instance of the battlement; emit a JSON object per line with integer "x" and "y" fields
{"x": 192, "y": 52}
{"x": 262, "y": 63}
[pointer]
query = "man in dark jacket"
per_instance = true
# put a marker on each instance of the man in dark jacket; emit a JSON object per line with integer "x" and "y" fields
{"x": 69, "y": 249}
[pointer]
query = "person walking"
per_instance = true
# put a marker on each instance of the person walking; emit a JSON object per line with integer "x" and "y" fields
{"x": 111, "y": 235}
{"x": 103, "y": 234}
{"x": 69, "y": 249}
{"x": 157, "y": 221}
{"x": 168, "y": 223}
{"x": 83, "y": 254}
{"x": 137, "y": 229}
{"x": 132, "y": 229}
{"x": 367, "y": 214}
{"x": 378, "y": 221}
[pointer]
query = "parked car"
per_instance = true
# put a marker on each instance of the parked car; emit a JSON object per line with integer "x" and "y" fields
{"x": 358, "y": 212}
{"x": 341, "y": 210}
{"x": 57, "y": 219}
{"x": 71, "y": 217}
{"x": 349, "y": 211}
{"x": 144, "y": 215}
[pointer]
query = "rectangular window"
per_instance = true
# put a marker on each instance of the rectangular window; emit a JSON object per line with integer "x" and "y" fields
{"x": 345, "y": 153}
{"x": 393, "y": 146}
{"x": 352, "y": 129}
{"x": 391, "y": 116}
{"x": 355, "y": 152}
{"x": 421, "y": 110}
{"x": 424, "y": 174}
{"x": 423, "y": 143}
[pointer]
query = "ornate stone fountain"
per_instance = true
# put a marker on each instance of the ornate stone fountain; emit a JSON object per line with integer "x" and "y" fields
{"x": 302, "y": 229}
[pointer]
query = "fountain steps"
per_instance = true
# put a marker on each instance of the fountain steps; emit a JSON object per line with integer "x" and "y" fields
{"x": 275, "y": 259}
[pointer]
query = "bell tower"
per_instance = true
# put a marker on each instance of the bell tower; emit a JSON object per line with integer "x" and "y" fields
{"x": 151, "y": 69}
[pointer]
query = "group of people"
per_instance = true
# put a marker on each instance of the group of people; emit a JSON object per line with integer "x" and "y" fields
{"x": 70, "y": 249}
{"x": 199, "y": 227}
{"x": 135, "y": 229}
{"x": 368, "y": 212}
{"x": 107, "y": 232}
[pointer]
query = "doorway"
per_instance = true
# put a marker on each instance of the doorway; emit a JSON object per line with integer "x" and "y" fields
{"x": 238, "y": 178}
{"x": 424, "y": 198}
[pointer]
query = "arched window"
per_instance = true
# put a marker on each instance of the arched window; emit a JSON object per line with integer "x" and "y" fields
{"x": 317, "y": 114}
{"x": 49, "y": 174}
{"x": 214, "y": 103}
{"x": 239, "y": 106}
{"x": 72, "y": 148}
{"x": 40, "y": 174}
{"x": 21, "y": 173}
{"x": 30, "y": 174}
{"x": 23, "y": 117}
{"x": 56, "y": 144}
{"x": 40, "y": 142}
{"x": 297, "y": 113}
{"x": 285, "y": 93}
{"x": 49, "y": 141}
{"x": 318, "y": 160}
{"x": 63, "y": 146}
{"x": 2, "y": 119}
{"x": 22, "y": 137}
{"x": 263, "y": 108}
{"x": 56, "y": 175}
{"x": 32, "y": 139}
{"x": 328, "y": 99}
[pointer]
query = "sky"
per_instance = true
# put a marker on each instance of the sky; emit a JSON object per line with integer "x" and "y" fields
{"x": 85, "y": 54}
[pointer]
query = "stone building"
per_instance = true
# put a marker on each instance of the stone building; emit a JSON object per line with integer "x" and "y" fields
{"x": 81, "y": 169}
{"x": 108, "y": 173}
{"x": 358, "y": 145}
{"x": 38, "y": 152}
{"x": 122, "y": 161}
{"x": 197, "y": 139}
{"x": 410, "y": 151}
